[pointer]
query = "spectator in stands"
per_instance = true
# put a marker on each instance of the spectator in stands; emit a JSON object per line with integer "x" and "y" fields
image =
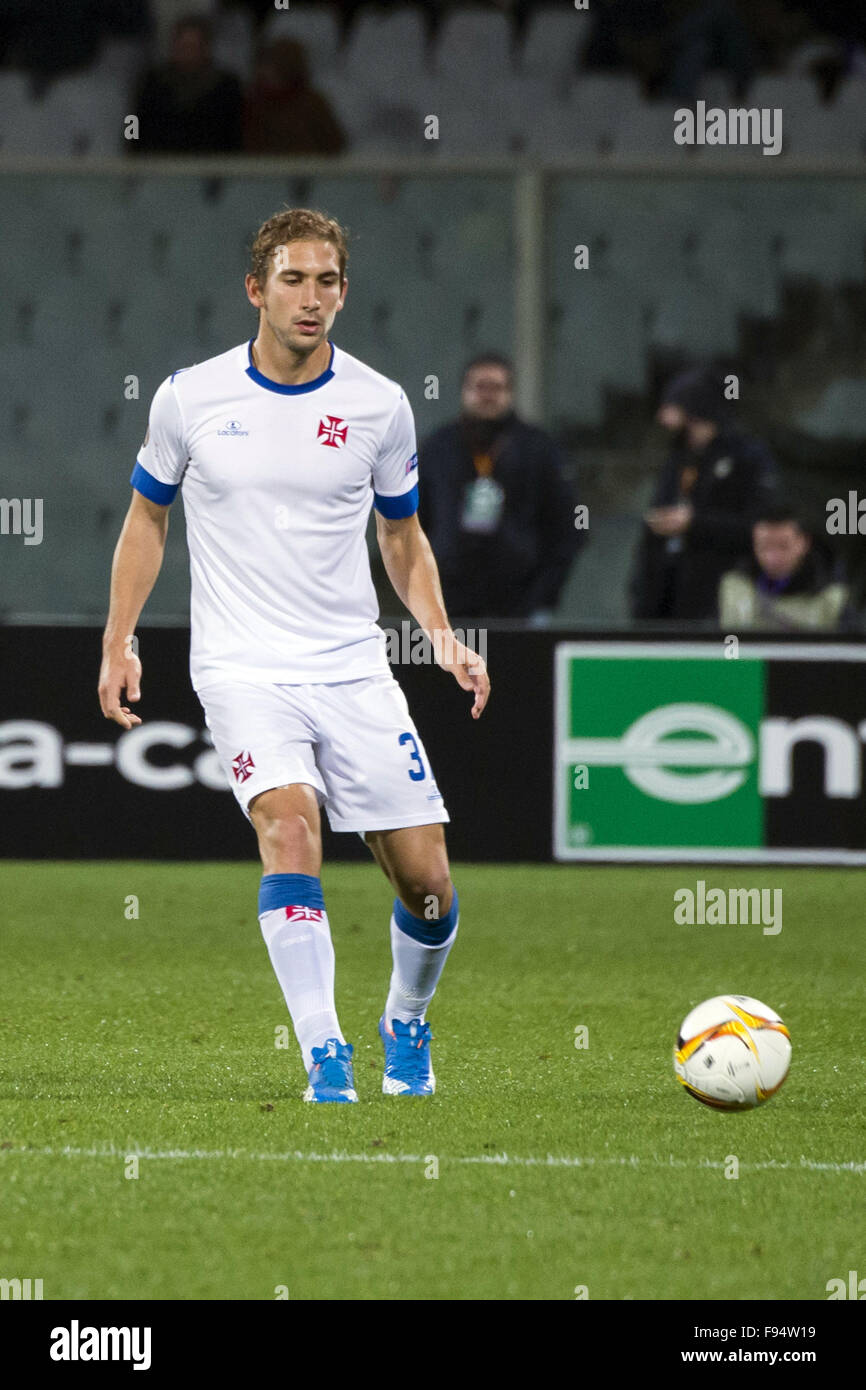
{"x": 495, "y": 504}
{"x": 284, "y": 114}
{"x": 713, "y": 484}
{"x": 628, "y": 35}
{"x": 783, "y": 34}
{"x": 786, "y": 585}
{"x": 188, "y": 106}
{"x": 824, "y": 58}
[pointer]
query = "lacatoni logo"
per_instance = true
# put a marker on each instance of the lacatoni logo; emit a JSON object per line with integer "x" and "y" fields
{"x": 33, "y": 754}
{"x": 76, "y": 1343}
{"x": 738, "y": 126}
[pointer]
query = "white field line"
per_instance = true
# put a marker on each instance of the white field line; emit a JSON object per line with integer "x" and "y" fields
{"x": 501, "y": 1160}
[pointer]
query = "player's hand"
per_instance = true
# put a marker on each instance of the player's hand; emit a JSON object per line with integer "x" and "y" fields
{"x": 670, "y": 521}
{"x": 466, "y": 666}
{"x": 120, "y": 670}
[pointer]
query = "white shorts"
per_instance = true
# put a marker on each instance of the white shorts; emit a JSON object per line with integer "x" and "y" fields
{"x": 353, "y": 741}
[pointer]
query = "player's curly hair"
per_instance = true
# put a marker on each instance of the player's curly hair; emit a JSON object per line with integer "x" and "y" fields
{"x": 295, "y": 224}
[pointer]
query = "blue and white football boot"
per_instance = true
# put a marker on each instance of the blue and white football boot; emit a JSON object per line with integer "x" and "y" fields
{"x": 408, "y": 1070}
{"x": 331, "y": 1076}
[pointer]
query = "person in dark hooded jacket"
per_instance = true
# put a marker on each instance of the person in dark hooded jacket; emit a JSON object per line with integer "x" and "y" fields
{"x": 714, "y": 482}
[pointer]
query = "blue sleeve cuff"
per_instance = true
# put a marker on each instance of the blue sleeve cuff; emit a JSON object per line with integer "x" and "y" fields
{"x": 152, "y": 488}
{"x": 394, "y": 507}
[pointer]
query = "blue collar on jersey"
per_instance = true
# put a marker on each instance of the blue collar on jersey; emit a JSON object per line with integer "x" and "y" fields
{"x": 255, "y": 375}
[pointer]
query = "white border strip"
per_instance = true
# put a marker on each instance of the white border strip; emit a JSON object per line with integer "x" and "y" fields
{"x": 501, "y": 1160}
{"x": 714, "y": 650}
{"x": 851, "y": 858}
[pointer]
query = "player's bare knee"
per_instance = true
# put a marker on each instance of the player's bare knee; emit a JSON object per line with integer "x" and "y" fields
{"x": 428, "y": 895}
{"x": 288, "y": 835}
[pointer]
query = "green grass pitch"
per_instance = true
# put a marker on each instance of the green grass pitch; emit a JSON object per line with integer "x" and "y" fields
{"x": 155, "y": 1036}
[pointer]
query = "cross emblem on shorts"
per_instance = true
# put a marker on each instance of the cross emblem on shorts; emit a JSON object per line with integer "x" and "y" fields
{"x": 242, "y": 766}
{"x": 332, "y": 431}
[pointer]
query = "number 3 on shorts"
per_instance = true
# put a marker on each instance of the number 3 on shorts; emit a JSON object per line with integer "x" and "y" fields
{"x": 416, "y": 757}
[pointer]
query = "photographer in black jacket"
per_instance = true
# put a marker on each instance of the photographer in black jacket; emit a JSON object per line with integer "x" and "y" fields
{"x": 495, "y": 504}
{"x": 714, "y": 482}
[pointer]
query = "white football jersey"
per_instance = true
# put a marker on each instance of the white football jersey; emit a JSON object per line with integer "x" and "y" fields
{"x": 277, "y": 484}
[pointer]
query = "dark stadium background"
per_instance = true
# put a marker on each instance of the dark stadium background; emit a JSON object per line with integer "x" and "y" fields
{"x": 554, "y": 130}
{"x": 154, "y": 1148}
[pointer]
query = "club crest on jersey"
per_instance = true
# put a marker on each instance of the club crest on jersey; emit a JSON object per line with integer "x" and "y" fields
{"x": 332, "y": 431}
{"x": 242, "y": 766}
{"x": 411, "y": 463}
{"x": 304, "y": 914}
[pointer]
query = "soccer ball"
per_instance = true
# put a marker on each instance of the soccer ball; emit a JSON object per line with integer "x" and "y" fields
{"x": 732, "y": 1052}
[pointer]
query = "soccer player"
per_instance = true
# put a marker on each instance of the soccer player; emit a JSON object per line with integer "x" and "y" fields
{"x": 281, "y": 446}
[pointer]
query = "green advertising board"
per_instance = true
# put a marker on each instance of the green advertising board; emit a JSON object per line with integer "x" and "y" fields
{"x": 709, "y": 751}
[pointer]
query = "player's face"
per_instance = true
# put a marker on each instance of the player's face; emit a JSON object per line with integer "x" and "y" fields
{"x": 303, "y": 294}
{"x": 487, "y": 392}
{"x": 779, "y": 548}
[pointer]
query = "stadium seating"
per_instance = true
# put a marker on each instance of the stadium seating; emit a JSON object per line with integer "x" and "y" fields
{"x": 495, "y": 91}
{"x": 234, "y": 43}
{"x": 386, "y": 51}
{"x": 146, "y": 271}
{"x": 787, "y": 93}
{"x": 14, "y": 98}
{"x": 24, "y": 129}
{"x": 473, "y": 44}
{"x": 317, "y": 27}
{"x": 840, "y": 412}
{"x": 552, "y": 44}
